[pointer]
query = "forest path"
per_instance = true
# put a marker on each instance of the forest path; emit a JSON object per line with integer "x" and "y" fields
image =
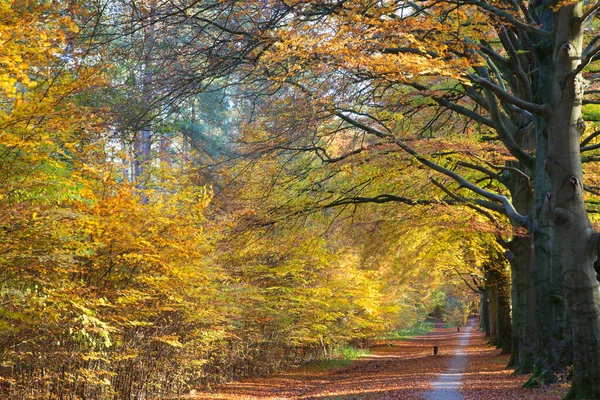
{"x": 446, "y": 386}
{"x": 399, "y": 370}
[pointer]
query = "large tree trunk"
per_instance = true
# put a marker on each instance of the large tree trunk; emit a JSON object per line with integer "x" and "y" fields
{"x": 503, "y": 325}
{"x": 485, "y": 313}
{"x": 575, "y": 238}
{"x": 492, "y": 304}
{"x": 523, "y": 308}
{"x": 553, "y": 336}
{"x": 521, "y": 256}
{"x": 553, "y": 353}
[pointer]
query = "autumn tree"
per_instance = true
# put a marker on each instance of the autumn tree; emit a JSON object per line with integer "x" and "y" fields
{"x": 482, "y": 101}
{"x": 117, "y": 290}
{"x": 87, "y": 307}
{"x": 514, "y": 68}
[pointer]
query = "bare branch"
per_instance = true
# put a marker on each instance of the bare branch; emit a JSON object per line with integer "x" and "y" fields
{"x": 516, "y": 59}
{"x": 590, "y": 159}
{"x": 508, "y": 17}
{"x": 455, "y": 107}
{"x": 506, "y": 97}
{"x": 588, "y": 101}
{"x": 479, "y": 168}
{"x": 592, "y": 49}
{"x": 469, "y": 203}
{"x": 505, "y": 135}
{"x": 511, "y": 212}
{"x": 382, "y": 198}
{"x": 476, "y": 290}
{"x": 591, "y": 190}
{"x": 514, "y": 170}
{"x": 409, "y": 50}
{"x": 589, "y": 12}
{"x": 589, "y": 148}
{"x": 591, "y": 137}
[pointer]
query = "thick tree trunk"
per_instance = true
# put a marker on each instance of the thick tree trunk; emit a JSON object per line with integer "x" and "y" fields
{"x": 554, "y": 336}
{"x": 492, "y": 303}
{"x": 503, "y": 325}
{"x": 523, "y": 308}
{"x": 553, "y": 353}
{"x": 485, "y": 313}
{"x": 575, "y": 238}
{"x": 521, "y": 256}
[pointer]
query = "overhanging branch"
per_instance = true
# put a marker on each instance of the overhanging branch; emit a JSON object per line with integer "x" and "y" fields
{"x": 506, "y": 97}
{"x": 479, "y": 290}
{"x": 589, "y": 12}
{"x": 456, "y": 107}
{"x": 467, "y": 202}
{"x": 511, "y": 212}
{"x": 383, "y": 198}
{"x": 591, "y": 50}
{"x": 508, "y": 17}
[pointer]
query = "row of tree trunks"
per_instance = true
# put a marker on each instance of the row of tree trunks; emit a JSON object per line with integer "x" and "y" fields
{"x": 496, "y": 305}
{"x": 520, "y": 254}
{"x": 523, "y": 306}
{"x": 542, "y": 339}
{"x": 541, "y": 334}
{"x": 485, "y": 314}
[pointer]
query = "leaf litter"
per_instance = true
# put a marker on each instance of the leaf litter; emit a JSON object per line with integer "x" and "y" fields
{"x": 396, "y": 370}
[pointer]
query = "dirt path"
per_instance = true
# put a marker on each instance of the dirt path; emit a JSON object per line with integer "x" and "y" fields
{"x": 446, "y": 386}
{"x": 403, "y": 370}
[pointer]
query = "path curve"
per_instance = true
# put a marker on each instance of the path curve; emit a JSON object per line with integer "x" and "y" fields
{"x": 447, "y": 385}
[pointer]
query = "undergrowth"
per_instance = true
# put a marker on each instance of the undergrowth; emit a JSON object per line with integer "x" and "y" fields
{"x": 341, "y": 357}
{"x": 418, "y": 329}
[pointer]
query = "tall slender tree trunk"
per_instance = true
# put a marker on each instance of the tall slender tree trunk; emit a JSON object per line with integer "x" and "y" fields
{"x": 143, "y": 139}
{"x": 498, "y": 280}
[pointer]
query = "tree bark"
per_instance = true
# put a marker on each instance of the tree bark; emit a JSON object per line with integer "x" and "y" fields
{"x": 498, "y": 277}
{"x": 575, "y": 237}
{"x": 523, "y": 309}
{"x": 485, "y": 313}
{"x": 553, "y": 350}
{"x": 492, "y": 304}
{"x": 521, "y": 257}
{"x": 142, "y": 147}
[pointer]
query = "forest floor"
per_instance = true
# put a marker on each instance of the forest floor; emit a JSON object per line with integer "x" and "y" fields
{"x": 403, "y": 370}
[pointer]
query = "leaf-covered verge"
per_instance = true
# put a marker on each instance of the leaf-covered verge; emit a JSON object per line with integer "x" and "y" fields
{"x": 487, "y": 377}
{"x": 398, "y": 370}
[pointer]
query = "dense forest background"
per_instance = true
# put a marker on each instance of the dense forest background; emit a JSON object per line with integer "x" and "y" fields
{"x": 199, "y": 191}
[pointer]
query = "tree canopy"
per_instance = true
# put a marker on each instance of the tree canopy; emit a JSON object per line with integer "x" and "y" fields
{"x": 197, "y": 191}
